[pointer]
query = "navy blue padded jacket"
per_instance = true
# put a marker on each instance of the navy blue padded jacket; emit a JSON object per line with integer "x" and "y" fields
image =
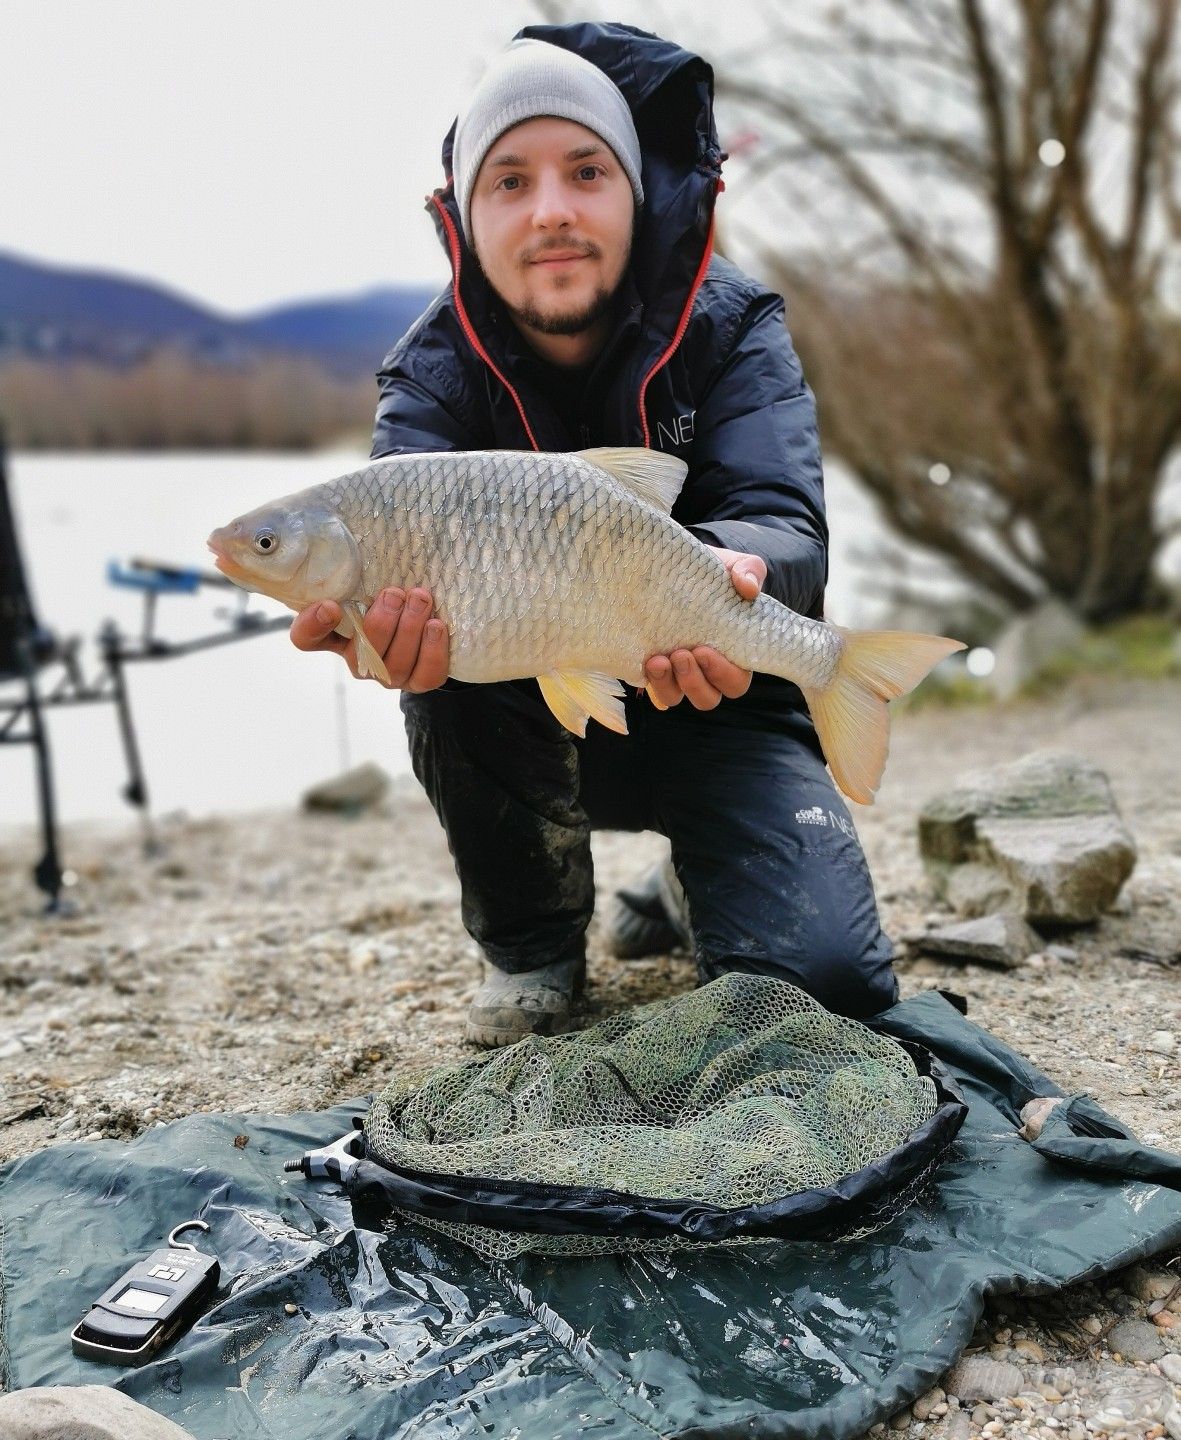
{"x": 700, "y": 363}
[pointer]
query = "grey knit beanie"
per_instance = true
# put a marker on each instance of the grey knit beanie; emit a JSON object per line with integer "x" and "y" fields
{"x": 533, "y": 78}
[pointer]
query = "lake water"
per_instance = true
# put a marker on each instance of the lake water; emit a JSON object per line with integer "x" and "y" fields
{"x": 246, "y": 726}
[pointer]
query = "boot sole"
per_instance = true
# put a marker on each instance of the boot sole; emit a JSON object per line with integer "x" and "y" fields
{"x": 491, "y": 1037}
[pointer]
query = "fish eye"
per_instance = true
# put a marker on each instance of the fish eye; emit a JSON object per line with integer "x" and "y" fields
{"x": 265, "y": 540}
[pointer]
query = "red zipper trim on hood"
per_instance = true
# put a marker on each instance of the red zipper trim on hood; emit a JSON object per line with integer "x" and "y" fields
{"x": 683, "y": 322}
{"x": 465, "y": 321}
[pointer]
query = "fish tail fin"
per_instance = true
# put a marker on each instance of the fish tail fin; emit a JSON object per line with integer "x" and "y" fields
{"x": 850, "y": 714}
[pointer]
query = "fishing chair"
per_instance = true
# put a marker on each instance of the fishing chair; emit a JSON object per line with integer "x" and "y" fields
{"x": 40, "y": 670}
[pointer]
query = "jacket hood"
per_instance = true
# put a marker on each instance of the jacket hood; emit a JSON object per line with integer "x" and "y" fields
{"x": 670, "y": 92}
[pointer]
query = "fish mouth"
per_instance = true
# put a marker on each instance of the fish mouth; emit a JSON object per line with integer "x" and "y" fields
{"x": 221, "y": 560}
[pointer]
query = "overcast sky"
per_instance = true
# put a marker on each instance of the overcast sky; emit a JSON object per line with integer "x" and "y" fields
{"x": 243, "y": 152}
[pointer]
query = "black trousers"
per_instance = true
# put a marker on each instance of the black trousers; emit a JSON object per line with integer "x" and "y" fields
{"x": 773, "y": 872}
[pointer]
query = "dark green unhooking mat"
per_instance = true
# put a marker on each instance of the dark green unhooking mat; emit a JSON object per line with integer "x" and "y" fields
{"x": 400, "y": 1333}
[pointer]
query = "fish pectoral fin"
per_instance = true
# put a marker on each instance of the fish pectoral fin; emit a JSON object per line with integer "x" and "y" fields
{"x": 649, "y": 474}
{"x": 574, "y": 695}
{"x": 369, "y": 662}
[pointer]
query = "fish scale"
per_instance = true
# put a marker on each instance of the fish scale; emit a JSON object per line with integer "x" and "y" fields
{"x": 570, "y": 568}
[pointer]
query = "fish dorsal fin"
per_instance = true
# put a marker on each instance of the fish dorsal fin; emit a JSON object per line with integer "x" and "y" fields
{"x": 573, "y": 695}
{"x": 653, "y": 476}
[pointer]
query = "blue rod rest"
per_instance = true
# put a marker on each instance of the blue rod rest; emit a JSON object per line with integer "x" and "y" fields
{"x": 158, "y": 582}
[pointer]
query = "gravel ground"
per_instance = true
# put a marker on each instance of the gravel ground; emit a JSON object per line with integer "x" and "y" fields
{"x": 200, "y": 980}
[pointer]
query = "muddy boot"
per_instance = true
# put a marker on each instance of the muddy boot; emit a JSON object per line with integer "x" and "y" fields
{"x": 652, "y": 919}
{"x": 508, "y": 1007}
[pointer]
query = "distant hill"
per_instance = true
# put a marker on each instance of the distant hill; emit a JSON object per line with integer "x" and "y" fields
{"x": 48, "y": 313}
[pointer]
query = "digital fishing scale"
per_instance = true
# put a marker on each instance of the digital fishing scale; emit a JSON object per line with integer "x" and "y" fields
{"x": 150, "y": 1304}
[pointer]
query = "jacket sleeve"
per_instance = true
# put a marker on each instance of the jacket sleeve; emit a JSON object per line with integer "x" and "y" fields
{"x": 412, "y": 418}
{"x": 755, "y": 481}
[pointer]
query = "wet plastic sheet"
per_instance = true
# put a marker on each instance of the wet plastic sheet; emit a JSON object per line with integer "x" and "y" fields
{"x": 398, "y": 1333}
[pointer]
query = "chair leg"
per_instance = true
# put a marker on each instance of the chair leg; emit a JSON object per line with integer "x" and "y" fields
{"x": 135, "y": 792}
{"x": 47, "y": 872}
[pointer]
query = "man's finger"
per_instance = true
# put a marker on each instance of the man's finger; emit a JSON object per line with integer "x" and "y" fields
{"x": 732, "y": 680}
{"x": 662, "y": 684}
{"x": 697, "y": 689}
{"x": 434, "y": 658}
{"x": 381, "y": 619}
{"x": 313, "y": 628}
{"x": 401, "y": 656}
{"x": 747, "y": 575}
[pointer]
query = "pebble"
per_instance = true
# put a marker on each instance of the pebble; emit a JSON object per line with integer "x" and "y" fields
{"x": 1162, "y": 1042}
{"x": 291, "y": 1309}
{"x": 1170, "y": 1366}
{"x": 94, "y": 1411}
{"x": 1135, "y": 1340}
{"x": 1030, "y": 1348}
{"x": 362, "y": 957}
{"x": 1164, "y": 1319}
{"x": 1146, "y": 1285}
{"x": 924, "y": 1406}
{"x": 900, "y": 1421}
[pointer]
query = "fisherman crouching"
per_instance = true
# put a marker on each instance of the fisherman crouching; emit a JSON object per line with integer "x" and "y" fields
{"x": 586, "y": 309}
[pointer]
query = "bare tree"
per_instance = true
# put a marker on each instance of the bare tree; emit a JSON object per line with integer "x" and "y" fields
{"x": 974, "y": 208}
{"x": 1010, "y": 387}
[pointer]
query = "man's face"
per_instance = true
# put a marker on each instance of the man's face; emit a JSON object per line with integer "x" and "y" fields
{"x": 551, "y": 217}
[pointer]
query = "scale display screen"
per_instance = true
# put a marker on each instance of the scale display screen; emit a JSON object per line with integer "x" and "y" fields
{"x": 149, "y": 1301}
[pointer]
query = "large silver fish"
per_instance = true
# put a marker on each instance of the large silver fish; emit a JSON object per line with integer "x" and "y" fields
{"x": 567, "y": 567}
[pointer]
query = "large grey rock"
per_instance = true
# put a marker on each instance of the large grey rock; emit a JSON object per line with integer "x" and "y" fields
{"x": 81, "y": 1412}
{"x": 1030, "y": 642}
{"x": 993, "y": 939}
{"x": 976, "y": 890}
{"x": 362, "y": 788}
{"x": 1042, "y": 838}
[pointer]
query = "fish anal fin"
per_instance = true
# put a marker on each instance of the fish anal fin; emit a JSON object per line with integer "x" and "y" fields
{"x": 369, "y": 662}
{"x": 576, "y": 695}
{"x": 650, "y": 475}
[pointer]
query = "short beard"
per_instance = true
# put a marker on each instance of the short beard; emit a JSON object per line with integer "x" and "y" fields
{"x": 573, "y": 322}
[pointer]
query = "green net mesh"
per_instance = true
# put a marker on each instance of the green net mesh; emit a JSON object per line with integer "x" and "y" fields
{"x": 734, "y": 1095}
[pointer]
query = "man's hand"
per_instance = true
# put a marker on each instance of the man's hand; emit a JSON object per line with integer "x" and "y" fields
{"x": 701, "y": 675}
{"x": 416, "y": 648}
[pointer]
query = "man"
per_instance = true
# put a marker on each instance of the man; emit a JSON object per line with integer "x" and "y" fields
{"x": 585, "y": 309}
